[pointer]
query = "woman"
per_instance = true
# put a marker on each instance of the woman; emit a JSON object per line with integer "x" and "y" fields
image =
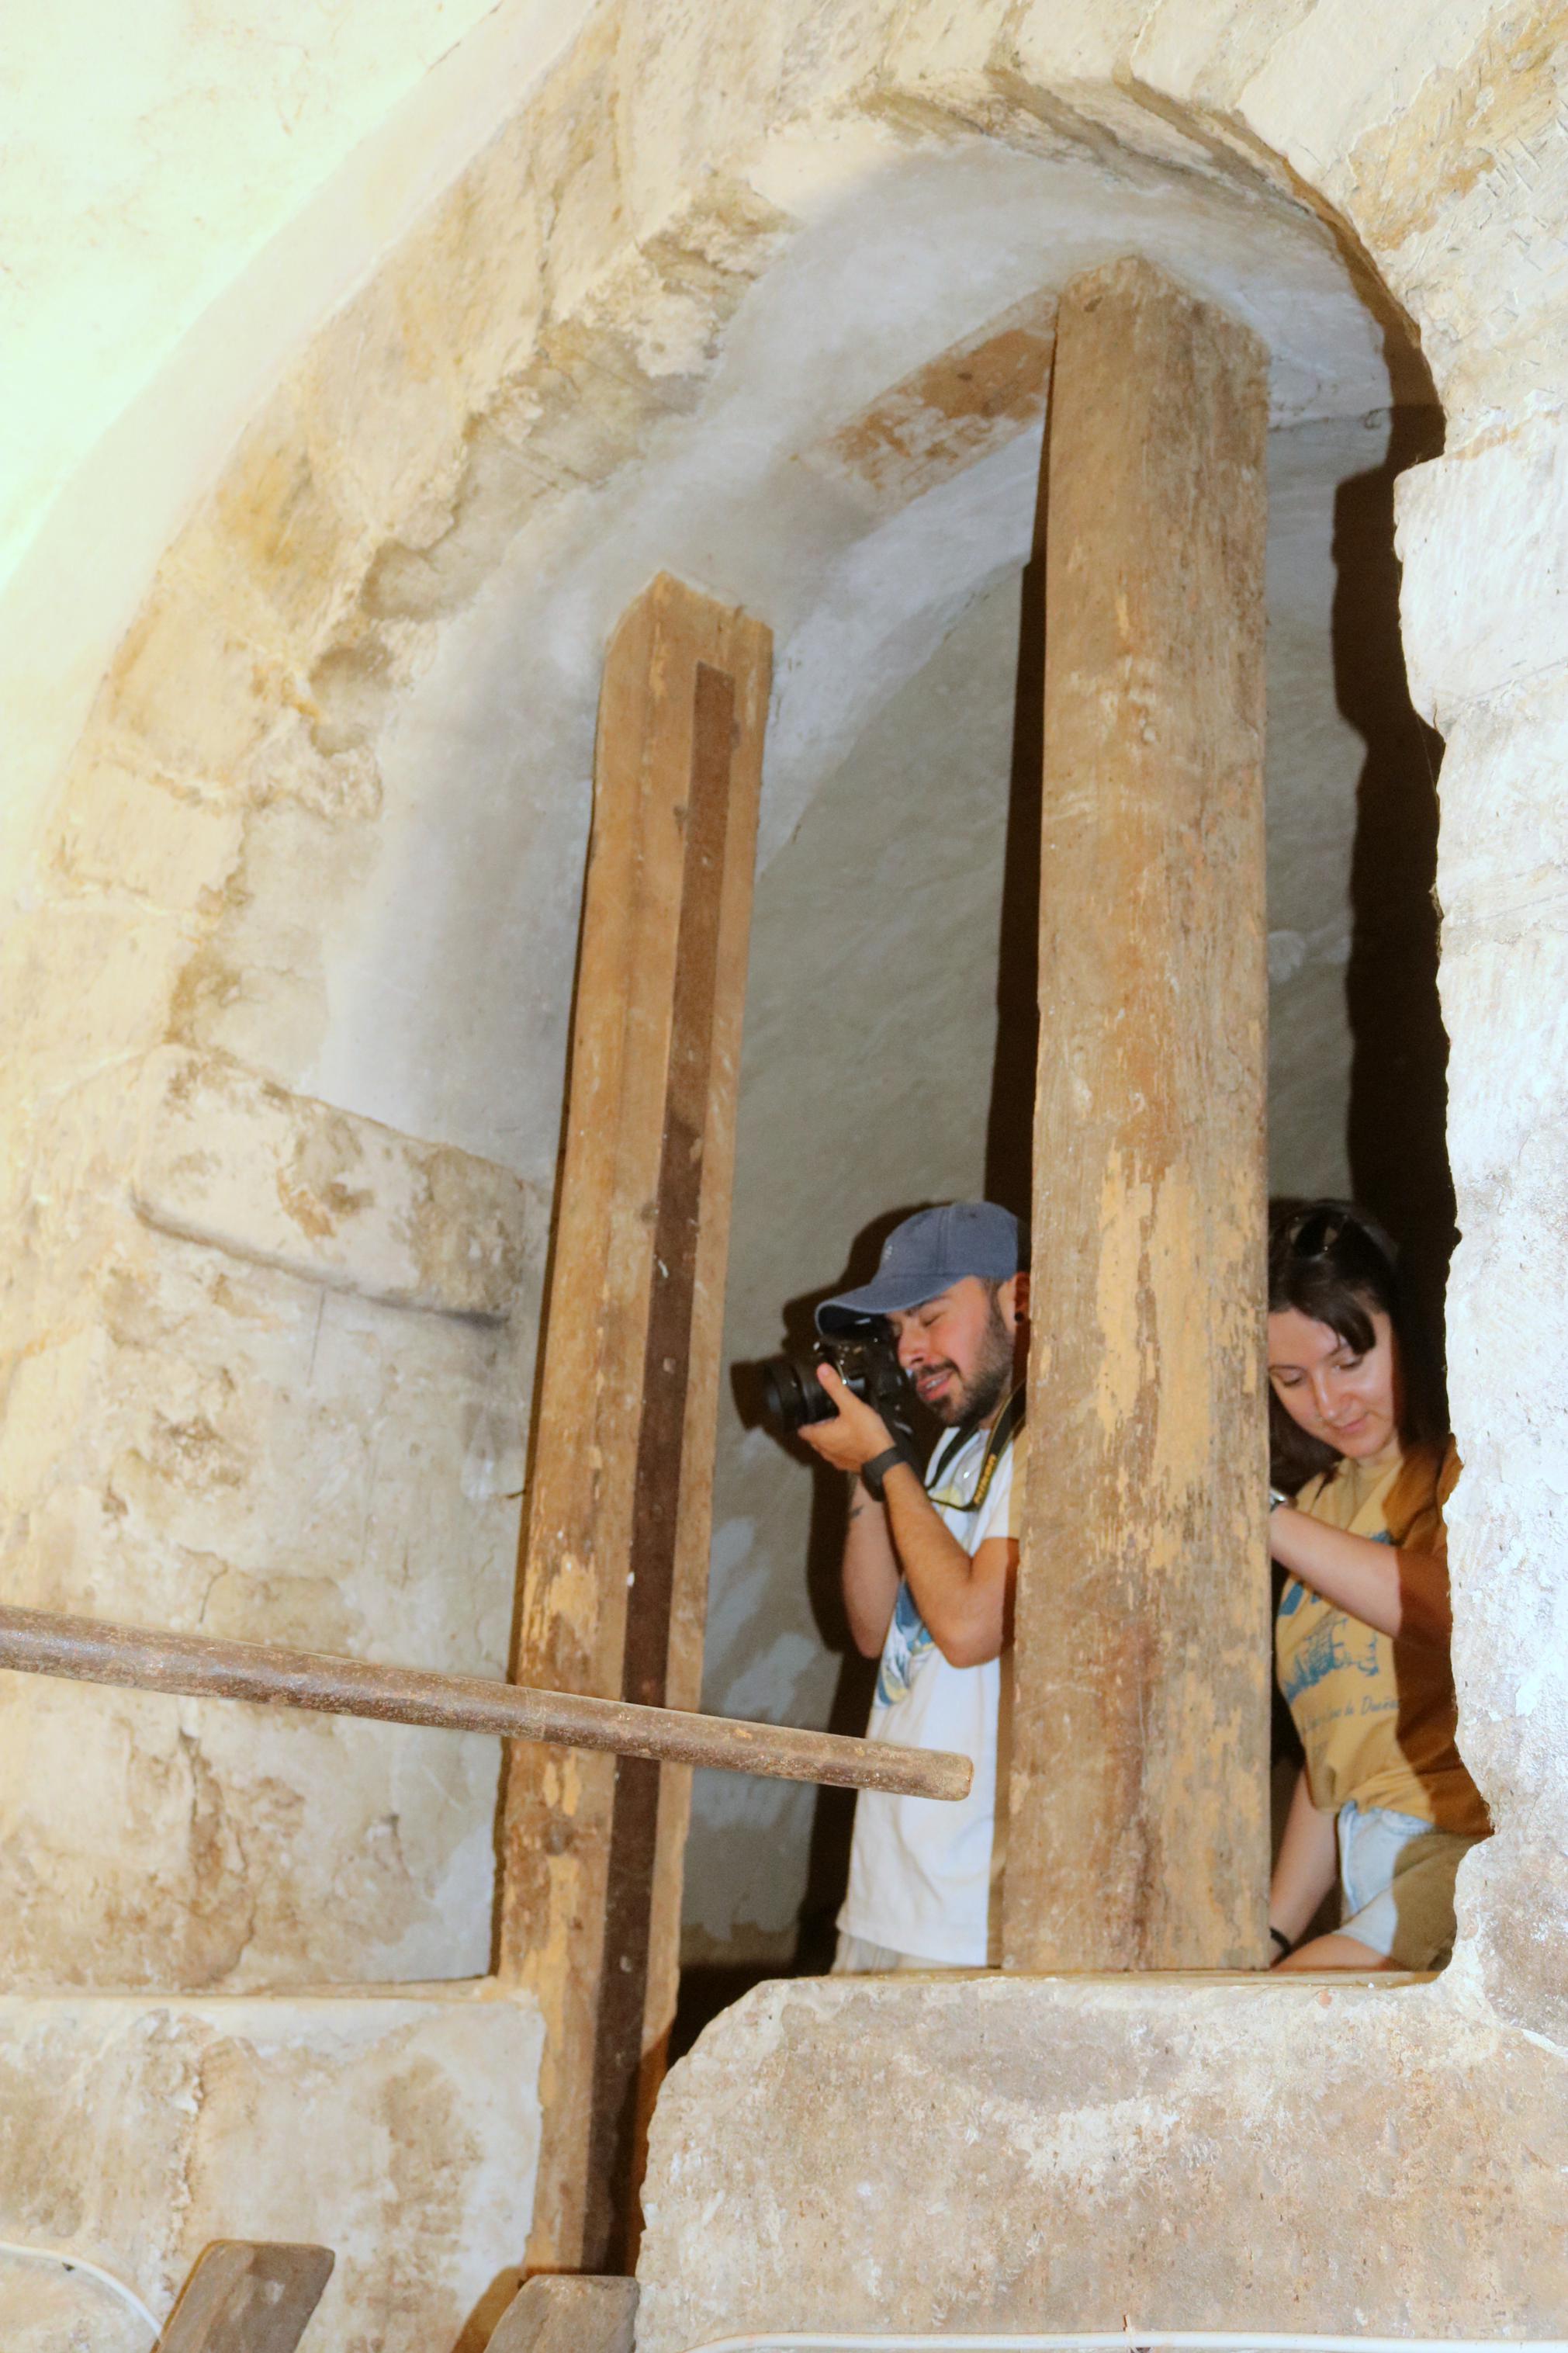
{"x": 1360, "y": 1474}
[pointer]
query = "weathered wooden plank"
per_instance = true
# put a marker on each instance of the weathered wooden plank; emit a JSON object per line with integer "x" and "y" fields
{"x": 624, "y": 1441}
{"x": 557, "y": 2313}
{"x": 206, "y": 1666}
{"x": 248, "y": 2295}
{"x": 1138, "y": 1815}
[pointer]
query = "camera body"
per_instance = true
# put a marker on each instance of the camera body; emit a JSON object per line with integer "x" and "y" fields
{"x": 867, "y": 1361}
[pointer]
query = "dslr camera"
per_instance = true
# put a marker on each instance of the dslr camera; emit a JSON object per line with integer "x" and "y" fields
{"x": 864, "y": 1356}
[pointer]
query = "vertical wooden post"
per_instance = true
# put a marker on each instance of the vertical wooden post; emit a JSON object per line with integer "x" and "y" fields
{"x": 615, "y": 1555}
{"x": 1138, "y": 1785}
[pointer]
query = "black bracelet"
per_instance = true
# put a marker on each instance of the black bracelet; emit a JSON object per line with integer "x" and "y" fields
{"x": 872, "y": 1474}
{"x": 1281, "y": 1939}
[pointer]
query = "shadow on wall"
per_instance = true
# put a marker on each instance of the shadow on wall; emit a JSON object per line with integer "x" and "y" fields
{"x": 1399, "y": 1083}
{"x": 1010, "y": 1127}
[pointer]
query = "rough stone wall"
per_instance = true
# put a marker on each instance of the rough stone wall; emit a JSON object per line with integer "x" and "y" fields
{"x": 263, "y": 1385}
{"x": 1481, "y": 525}
{"x": 136, "y": 2131}
{"x": 1061, "y": 2155}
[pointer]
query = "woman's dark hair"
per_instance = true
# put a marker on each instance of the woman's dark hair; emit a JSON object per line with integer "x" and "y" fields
{"x": 1332, "y": 1262}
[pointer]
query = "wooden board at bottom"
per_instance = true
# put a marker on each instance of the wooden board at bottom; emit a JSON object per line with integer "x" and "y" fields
{"x": 559, "y": 2312}
{"x": 248, "y": 2295}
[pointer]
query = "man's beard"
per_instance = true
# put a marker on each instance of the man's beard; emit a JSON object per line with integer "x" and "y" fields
{"x": 983, "y": 1391}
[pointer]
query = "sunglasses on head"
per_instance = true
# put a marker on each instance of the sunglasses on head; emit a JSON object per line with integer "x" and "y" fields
{"x": 1316, "y": 1232}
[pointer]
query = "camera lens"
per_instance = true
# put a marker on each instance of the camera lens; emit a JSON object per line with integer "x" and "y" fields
{"x": 792, "y": 1394}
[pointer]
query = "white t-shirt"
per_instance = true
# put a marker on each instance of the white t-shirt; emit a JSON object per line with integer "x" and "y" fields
{"x": 919, "y": 1868}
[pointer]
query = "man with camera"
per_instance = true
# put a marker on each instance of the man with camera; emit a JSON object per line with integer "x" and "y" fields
{"x": 928, "y": 1567}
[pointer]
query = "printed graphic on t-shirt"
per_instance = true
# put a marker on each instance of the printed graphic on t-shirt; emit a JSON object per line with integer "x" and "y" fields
{"x": 1327, "y": 1649}
{"x": 908, "y": 1642}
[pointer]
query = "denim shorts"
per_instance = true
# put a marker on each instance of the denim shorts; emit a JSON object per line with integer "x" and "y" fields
{"x": 1397, "y": 1872}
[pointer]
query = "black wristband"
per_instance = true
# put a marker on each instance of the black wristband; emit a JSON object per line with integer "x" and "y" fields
{"x": 872, "y": 1474}
{"x": 1281, "y": 1939}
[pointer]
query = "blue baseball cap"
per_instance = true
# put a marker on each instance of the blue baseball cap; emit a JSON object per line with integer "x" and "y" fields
{"x": 929, "y": 1252}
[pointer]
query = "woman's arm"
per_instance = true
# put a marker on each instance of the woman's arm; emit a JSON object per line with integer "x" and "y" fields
{"x": 1308, "y": 1864}
{"x": 1394, "y": 1592}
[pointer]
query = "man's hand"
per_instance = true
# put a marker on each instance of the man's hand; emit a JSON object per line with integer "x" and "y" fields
{"x": 856, "y": 1436}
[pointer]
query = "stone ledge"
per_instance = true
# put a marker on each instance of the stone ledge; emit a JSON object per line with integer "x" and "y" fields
{"x": 1038, "y": 2154}
{"x": 227, "y": 1157}
{"x": 398, "y": 2126}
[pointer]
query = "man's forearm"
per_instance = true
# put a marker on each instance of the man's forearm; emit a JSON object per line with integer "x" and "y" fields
{"x": 870, "y": 1571}
{"x": 963, "y": 1615}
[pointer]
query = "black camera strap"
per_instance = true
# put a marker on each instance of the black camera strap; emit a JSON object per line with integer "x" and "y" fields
{"x": 1003, "y": 1430}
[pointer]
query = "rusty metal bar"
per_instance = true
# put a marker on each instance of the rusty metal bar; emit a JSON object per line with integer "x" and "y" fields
{"x": 200, "y": 1666}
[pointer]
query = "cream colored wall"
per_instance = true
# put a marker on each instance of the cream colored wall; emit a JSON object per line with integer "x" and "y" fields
{"x": 183, "y": 199}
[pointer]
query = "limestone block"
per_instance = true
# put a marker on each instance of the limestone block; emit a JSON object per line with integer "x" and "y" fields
{"x": 189, "y": 686}
{"x": 1503, "y": 984}
{"x": 1475, "y": 531}
{"x": 229, "y": 1448}
{"x": 118, "y": 828}
{"x": 1330, "y": 78}
{"x": 386, "y": 426}
{"x": 400, "y": 2131}
{"x": 577, "y": 148}
{"x": 85, "y": 984}
{"x": 230, "y": 1159}
{"x": 273, "y": 546}
{"x": 1508, "y": 1524}
{"x": 254, "y": 991}
{"x": 1474, "y": 162}
{"x": 1504, "y": 842}
{"x": 194, "y": 1437}
{"x": 1030, "y": 2153}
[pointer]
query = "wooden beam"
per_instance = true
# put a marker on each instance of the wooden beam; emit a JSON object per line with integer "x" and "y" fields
{"x": 558, "y": 2314}
{"x": 248, "y": 2295}
{"x": 208, "y": 1666}
{"x": 1138, "y": 1830}
{"x": 625, "y": 1431}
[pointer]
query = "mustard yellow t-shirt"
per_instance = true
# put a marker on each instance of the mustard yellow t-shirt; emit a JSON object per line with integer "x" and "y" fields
{"x": 1378, "y": 1716}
